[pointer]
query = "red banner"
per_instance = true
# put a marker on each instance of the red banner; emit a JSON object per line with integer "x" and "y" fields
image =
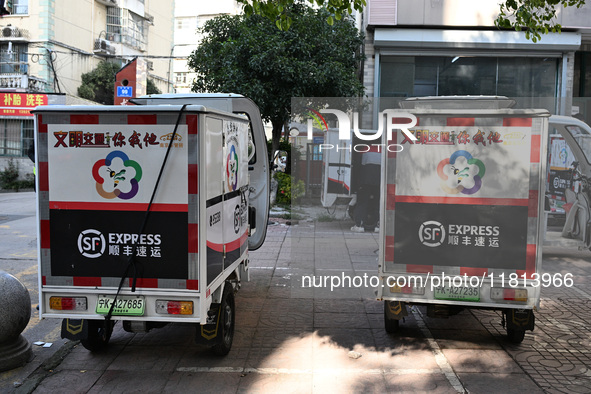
{"x": 20, "y": 104}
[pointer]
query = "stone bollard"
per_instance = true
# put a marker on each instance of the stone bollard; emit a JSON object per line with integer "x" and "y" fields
{"x": 15, "y": 312}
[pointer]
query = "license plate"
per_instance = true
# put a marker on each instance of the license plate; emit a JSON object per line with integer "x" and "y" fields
{"x": 125, "y": 306}
{"x": 457, "y": 293}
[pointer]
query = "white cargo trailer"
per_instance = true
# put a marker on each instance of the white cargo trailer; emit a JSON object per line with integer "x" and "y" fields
{"x": 146, "y": 214}
{"x": 462, "y": 211}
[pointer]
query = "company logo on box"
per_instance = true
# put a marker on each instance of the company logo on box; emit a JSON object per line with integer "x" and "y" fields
{"x": 125, "y": 175}
{"x": 432, "y": 233}
{"x": 91, "y": 243}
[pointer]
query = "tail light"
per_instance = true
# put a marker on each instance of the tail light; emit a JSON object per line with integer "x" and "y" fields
{"x": 68, "y": 303}
{"x": 168, "y": 307}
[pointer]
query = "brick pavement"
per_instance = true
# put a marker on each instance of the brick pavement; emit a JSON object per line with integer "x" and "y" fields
{"x": 291, "y": 339}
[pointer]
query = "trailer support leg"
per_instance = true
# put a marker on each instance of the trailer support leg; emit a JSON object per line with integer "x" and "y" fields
{"x": 394, "y": 311}
{"x": 518, "y": 320}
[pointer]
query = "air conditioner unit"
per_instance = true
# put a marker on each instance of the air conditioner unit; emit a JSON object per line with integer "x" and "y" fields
{"x": 103, "y": 46}
{"x": 11, "y": 31}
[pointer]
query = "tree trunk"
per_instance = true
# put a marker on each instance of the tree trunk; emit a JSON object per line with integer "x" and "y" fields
{"x": 277, "y": 129}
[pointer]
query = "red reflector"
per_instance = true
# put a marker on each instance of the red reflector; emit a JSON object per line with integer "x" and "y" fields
{"x": 68, "y": 304}
{"x": 509, "y": 294}
{"x": 174, "y": 308}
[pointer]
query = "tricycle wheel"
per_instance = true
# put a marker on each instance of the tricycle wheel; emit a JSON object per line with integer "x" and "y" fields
{"x": 226, "y": 322}
{"x": 515, "y": 336}
{"x": 98, "y": 335}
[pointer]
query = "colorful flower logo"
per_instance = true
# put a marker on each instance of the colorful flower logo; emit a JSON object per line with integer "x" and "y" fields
{"x": 120, "y": 172}
{"x": 232, "y": 169}
{"x": 461, "y": 173}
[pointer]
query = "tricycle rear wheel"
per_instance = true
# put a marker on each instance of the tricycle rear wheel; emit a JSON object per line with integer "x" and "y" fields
{"x": 99, "y": 334}
{"x": 515, "y": 336}
{"x": 226, "y": 321}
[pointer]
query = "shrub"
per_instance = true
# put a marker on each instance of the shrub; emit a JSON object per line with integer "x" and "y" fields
{"x": 288, "y": 191}
{"x": 9, "y": 178}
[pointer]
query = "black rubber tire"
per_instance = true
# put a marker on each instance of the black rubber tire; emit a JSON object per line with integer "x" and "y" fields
{"x": 227, "y": 319}
{"x": 97, "y": 340}
{"x": 515, "y": 336}
{"x": 391, "y": 325}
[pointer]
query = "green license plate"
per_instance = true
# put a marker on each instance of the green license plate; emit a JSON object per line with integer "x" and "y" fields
{"x": 457, "y": 293}
{"x": 125, "y": 306}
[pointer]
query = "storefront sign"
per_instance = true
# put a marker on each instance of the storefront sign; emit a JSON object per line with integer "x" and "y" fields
{"x": 20, "y": 104}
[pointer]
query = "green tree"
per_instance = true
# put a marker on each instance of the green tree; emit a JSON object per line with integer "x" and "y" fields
{"x": 535, "y": 17}
{"x": 280, "y": 11}
{"x": 151, "y": 87}
{"x": 250, "y": 56}
{"x": 99, "y": 84}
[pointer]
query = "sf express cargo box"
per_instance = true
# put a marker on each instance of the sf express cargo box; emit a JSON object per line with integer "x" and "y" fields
{"x": 463, "y": 207}
{"x": 154, "y": 195}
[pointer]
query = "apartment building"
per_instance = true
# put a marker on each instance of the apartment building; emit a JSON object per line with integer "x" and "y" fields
{"x": 189, "y": 16}
{"x": 442, "y": 47}
{"x": 46, "y": 45}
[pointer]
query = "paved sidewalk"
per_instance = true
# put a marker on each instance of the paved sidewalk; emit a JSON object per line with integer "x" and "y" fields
{"x": 292, "y": 339}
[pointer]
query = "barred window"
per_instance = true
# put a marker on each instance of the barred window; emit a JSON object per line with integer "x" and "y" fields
{"x": 126, "y": 27}
{"x": 13, "y": 58}
{"x": 15, "y": 137}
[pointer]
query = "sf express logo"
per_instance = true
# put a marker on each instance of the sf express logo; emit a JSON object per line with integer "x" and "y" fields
{"x": 432, "y": 233}
{"x": 91, "y": 243}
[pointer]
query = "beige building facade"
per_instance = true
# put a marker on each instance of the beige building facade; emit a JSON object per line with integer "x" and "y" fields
{"x": 189, "y": 16}
{"x": 451, "y": 47}
{"x": 46, "y": 46}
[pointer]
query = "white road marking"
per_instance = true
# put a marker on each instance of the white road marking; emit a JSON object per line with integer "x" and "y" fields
{"x": 440, "y": 358}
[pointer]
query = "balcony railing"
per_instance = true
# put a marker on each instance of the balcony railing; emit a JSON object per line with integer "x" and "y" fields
{"x": 22, "y": 81}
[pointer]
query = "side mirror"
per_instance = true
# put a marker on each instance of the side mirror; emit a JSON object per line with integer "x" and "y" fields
{"x": 280, "y": 161}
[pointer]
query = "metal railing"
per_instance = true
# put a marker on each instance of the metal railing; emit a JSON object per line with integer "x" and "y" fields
{"x": 23, "y": 81}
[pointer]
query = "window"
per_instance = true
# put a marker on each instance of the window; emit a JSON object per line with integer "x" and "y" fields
{"x": 186, "y": 23}
{"x": 18, "y": 7}
{"x": 532, "y": 81}
{"x": 181, "y": 78}
{"x": 15, "y": 137}
{"x": 13, "y": 58}
{"x": 126, "y": 27}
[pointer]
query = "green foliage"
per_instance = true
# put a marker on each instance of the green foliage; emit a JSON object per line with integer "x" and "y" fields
{"x": 325, "y": 217}
{"x": 151, "y": 87}
{"x": 250, "y": 56}
{"x": 9, "y": 175}
{"x": 99, "y": 84}
{"x": 279, "y": 11}
{"x": 288, "y": 189}
{"x": 9, "y": 178}
{"x": 535, "y": 17}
